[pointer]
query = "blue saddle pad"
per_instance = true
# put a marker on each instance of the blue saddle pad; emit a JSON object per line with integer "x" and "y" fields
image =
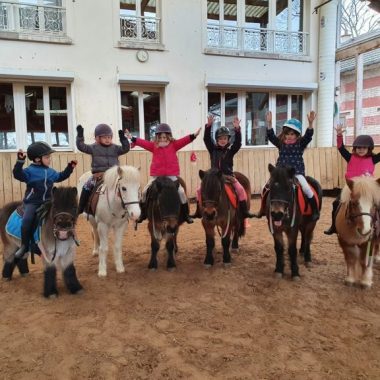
{"x": 13, "y": 227}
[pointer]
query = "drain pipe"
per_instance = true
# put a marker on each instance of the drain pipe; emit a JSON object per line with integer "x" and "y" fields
{"x": 326, "y": 83}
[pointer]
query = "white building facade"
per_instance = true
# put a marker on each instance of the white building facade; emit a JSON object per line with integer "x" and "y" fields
{"x": 135, "y": 63}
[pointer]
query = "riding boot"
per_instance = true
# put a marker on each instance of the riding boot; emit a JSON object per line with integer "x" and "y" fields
{"x": 84, "y": 198}
{"x": 332, "y": 229}
{"x": 197, "y": 213}
{"x": 25, "y": 238}
{"x": 244, "y": 210}
{"x": 185, "y": 213}
{"x": 314, "y": 209}
{"x": 143, "y": 215}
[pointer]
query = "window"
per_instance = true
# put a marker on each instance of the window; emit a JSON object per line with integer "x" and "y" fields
{"x": 33, "y": 16}
{"x": 139, "y": 20}
{"x": 141, "y": 111}
{"x": 253, "y": 29}
{"x": 42, "y": 114}
{"x": 251, "y": 107}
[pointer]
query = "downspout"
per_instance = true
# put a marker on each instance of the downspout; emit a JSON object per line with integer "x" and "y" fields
{"x": 326, "y": 83}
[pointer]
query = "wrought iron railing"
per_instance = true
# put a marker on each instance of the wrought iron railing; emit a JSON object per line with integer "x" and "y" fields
{"x": 140, "y": 29}
{"x": 257, "y": 40}
{"x": 22, "y": 17}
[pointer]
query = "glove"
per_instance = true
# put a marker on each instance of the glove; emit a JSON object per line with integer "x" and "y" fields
{"x": 73, "y": 163}
{"x": 121, "y": 135}
{"x": 21, "y": 155}
{"x": 80, "y": 131}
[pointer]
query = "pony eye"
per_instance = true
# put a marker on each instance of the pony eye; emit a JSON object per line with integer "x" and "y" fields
{"x": 123, "y": 188}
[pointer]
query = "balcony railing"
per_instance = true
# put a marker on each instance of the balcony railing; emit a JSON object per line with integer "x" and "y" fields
{"x": 140, "y": 29}
{"x": 252, "y": 40}
{"x": 35, "y": 19}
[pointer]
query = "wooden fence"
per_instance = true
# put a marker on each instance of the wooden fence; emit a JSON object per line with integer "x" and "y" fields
{"x": 324, "y": 164}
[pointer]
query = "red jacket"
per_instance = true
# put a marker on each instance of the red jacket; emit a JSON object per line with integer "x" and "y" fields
{"x": 164, "y": 160}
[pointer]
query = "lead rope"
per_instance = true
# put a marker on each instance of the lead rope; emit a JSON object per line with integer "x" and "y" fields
{"x": 294, "y": 207}
{"x": 228, "y": 223}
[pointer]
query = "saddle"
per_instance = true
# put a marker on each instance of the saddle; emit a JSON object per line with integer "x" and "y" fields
{"x": 303, "y": 204}
{"x": 230, "y": 191}
{"x": 93, "y": 200}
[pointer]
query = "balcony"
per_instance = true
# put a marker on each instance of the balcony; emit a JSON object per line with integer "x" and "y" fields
{"x": 140, "y": 31}
{"x": 249, "y": 40}
{"x": 26, "y": 21}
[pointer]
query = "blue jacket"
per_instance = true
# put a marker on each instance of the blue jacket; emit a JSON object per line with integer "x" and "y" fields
{"x": 39, "y": 180}
{"x": 291, "y": 154}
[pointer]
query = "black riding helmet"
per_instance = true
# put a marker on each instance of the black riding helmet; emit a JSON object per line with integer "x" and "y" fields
{"x": 222, "y": 131}
{"x": 365, "y": 141}
{"x": 38, "y": 149}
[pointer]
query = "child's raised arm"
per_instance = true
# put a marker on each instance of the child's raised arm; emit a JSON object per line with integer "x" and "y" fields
{"x": 268, "y": 119}
{"x": 311, "y": 117}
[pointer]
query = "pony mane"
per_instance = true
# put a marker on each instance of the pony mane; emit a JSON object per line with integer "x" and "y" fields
{"x": 367, "y": 187}
{"x": 280, "y": 174}
{"x": 130, "y": 173}
{"x": 211, "y": 181}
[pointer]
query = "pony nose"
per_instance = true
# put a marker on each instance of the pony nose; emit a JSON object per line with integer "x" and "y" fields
{"x": 277, "y": 215}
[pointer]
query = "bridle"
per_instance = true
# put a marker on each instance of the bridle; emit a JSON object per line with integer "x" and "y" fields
{"x": 70, "y": 229}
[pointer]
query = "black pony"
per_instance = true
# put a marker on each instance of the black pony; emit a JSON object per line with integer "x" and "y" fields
{"x": 57, "y": 240}
{"x": 218, "y": 212}
{"x": 164, "y": 216}
{"x": 285, "y": 217}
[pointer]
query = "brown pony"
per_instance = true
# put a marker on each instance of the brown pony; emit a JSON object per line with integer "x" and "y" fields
{"x": 217, "y": 212}
{"x": 355, "y": 221}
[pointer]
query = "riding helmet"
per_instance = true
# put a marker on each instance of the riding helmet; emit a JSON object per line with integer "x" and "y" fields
{"x": 222, "y": 131}
{"x": 163, "y": 128}
{"x": 294, "y": 124}
{"x": 38, "y": 149}
{"x": 103, "y": 130}
{"x": 364, "y": 141}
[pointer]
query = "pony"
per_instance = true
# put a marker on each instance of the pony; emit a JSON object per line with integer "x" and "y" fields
{"x": 57, "y": 240}
{"x": 356, "y": 222}
{"x": 164, "y": 215}
{"x": 218, "y": 212}
{"x": 117, "y": 204}
{"x": 285, "y": 217}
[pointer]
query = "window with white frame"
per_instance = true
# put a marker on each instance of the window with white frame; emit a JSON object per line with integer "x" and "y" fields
{"x": 251, "y": 107}
{"x": 42, "y": 114}
{"x": 139, "y": 21}
{"x": 268, "y": 26}
{"x": 33, "y": 16}
{"x": 141, "y": 111}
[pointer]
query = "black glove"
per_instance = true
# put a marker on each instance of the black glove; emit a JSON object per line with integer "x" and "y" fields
{"x": 133, "y": 139}
{"x": 121, "y": 135}
{"x": 73, "y": 164}
{"x": 80, "y": 131}
{"x": 21, "y": 156}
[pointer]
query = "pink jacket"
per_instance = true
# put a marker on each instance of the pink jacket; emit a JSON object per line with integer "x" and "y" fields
{"x": 164, "y": 160}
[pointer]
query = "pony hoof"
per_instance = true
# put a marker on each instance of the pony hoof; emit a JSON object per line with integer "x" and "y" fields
{"x": 79, "y": 292}
{"x": 95, "y": 253}
{"x": 349, "y": 283}
{"x": 365, "y": 286}
{"x": 102, "y": 274}
{"x": 296, "y": 278}
{"x": 172, "y": 269}
{"x": 6, "y": 279}
{"x": 53, "y": 296}
{"x": 207, "y": 266}
{"x": 278, "y": 275}
{"x": 226, "y": 265}
{"x": 153, "y": 269}
{"x": 121, "y": 270}
{"x": 308, "y": 264}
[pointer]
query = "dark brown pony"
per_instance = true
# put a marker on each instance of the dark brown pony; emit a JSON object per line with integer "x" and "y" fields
{"x": 217, "y": 212}
{"x": 164, "y": 218}
{"x": 57, "y": 244}
{"x": 285, "y": 218}
{"x": 356, "y": 221}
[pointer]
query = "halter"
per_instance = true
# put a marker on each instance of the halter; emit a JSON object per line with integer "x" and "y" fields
{"x": 123, "y": 204}
{"x": 287, "y": 208}
{"x": 70, "y": 230}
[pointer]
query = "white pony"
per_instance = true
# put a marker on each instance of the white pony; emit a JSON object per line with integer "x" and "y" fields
{"x": 118, "y": 203}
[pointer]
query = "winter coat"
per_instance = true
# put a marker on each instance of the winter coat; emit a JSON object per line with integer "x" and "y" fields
{"x": 222, "y": 157}
{"x": 39, "y": 180}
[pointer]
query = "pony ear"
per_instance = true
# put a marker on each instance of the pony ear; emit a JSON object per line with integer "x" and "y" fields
{"x": 378, "y": 181}
{"x": 201, "y": 173}
{"x": 350, "y": 183}
{"x": 270, "y": 168}
{"x": 53, "y": 189}
{"x": 291, "y": 172}
{"x": 119, "y": 171}
{"x": 74, "y": 190}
